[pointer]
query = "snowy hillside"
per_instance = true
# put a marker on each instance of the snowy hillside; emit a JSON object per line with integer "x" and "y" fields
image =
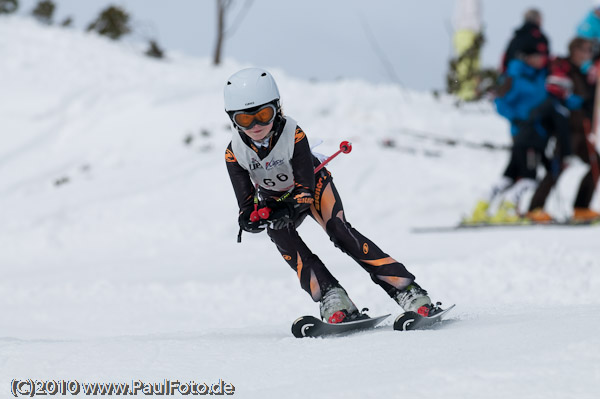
{"x": 118, "y": 250}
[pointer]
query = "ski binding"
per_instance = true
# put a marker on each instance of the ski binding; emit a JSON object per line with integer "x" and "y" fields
{"x": 414, "y": 321}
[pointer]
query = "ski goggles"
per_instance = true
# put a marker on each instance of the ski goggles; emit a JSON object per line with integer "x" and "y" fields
{"x": 262, "y": 116}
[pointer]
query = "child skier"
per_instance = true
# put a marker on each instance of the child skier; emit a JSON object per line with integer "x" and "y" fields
{"x": 269, "y": 160}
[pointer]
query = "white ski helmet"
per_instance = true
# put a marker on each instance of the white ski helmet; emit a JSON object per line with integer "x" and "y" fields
{"x": 249, "y": 88}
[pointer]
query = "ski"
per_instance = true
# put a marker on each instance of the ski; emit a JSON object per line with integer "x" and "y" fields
{"x": 310, "y": 326}
{"x": 471, "y": 226}
{"x": 414, "y": 321}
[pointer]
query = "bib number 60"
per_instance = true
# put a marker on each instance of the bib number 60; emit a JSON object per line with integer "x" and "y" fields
{"x": 282, "y": 177}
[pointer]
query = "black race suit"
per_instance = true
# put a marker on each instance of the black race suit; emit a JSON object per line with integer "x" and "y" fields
{"x": 317, "y": 197}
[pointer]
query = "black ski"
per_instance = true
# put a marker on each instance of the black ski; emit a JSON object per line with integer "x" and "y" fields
{"x": 310, "y": 326}
{"x": 473, "y": 226}
{"x": 414, "y": 321}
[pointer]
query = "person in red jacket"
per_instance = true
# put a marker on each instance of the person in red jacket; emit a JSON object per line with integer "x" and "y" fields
{"x": 572, "y": 84}
{"x": 270, "y": 164}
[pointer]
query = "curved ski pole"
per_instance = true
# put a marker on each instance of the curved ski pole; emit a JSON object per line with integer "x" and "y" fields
{"x": 345, "y": 147}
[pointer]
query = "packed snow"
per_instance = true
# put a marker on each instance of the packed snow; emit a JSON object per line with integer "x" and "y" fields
{"x": 118, "y": 238}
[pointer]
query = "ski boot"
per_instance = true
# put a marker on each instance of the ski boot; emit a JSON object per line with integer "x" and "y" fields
{"x": 538, "y": 215}
{"x": 415, "y": 299}
{"x": 479, "y": 215}
{"x": 506, "y": 214}
{"x": 585, "y": 215}
{"x": 337, "y": 307}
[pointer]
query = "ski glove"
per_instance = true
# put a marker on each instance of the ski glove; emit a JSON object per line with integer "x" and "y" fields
{"x": 574, "y": 102}
{"x": 249, "y": 226}
{"x": 283, "y": 214}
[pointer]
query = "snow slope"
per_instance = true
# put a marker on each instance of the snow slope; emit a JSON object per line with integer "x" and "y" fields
{"x": 119, "y": 260}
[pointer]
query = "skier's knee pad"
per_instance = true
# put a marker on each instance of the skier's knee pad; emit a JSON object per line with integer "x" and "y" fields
{"x": 339, "y": 233}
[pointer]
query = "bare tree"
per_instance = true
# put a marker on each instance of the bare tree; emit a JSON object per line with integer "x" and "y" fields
{"x": 223, "y": 7}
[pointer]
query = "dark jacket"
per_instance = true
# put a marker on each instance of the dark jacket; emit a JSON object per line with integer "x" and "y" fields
{"x": 580, "y": 118}
{"x": 526, "y": 38}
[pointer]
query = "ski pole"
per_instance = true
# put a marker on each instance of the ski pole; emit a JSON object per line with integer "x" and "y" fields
{"x": 593, "y": 160}
{"x": 256, "y": 214}
{"x": 590, "y": 142}
{"x": 345, "y": 147}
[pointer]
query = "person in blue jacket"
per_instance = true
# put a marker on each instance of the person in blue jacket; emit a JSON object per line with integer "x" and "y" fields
{"x": 589, "y": 27}
{"x": 534, "y": 116}
{"x": 522, "y": 88}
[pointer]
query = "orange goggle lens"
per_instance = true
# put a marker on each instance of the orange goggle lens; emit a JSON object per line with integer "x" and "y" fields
{"x": 263, "y": 116}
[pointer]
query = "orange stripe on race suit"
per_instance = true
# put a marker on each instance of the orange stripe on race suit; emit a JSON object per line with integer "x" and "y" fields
{"x": 299, "y": 135}
{"x": 315, "y": 288}
{"x": 327, "y": 204}
{"x": 380, "y": 262}
{"x": 299, "y": 265}
{"x": 316, "y": 215}
{"x": 398, "y": 282}
{"x": 303, "y": 198}
{"x": 230, "y": 156}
